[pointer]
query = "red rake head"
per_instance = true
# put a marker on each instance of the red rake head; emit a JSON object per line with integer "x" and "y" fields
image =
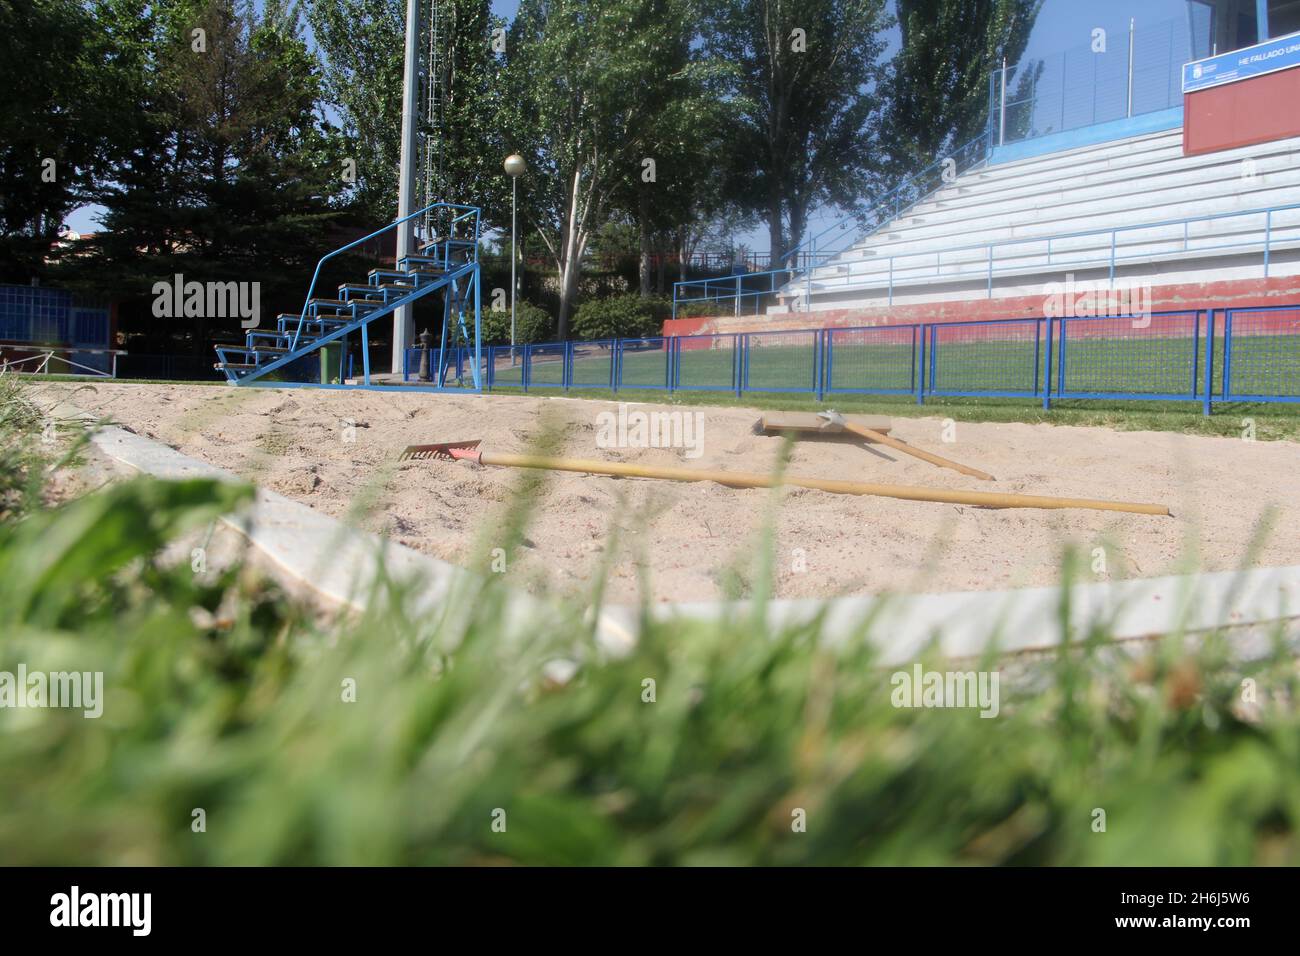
{"x": 446, "y": 451}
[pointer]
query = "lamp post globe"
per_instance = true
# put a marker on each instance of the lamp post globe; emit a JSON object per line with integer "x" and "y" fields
{"x": 515, "y": 165}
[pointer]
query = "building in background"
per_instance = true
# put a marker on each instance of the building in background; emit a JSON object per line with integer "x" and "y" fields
{"x": 38, "y": 322}
{"x": 1237, "y": 24}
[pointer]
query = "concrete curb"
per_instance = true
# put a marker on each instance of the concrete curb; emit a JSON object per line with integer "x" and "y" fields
{"x": 963, "y": 624}
{"x": 342, "y": 564}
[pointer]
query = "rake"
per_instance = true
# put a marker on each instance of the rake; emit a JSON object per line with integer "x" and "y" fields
{"x": 470, "y": 451}
{"x": 442, "y": 451}
{"x": 833, "y": 423}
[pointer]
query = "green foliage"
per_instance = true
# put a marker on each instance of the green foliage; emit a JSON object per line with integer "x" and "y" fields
{"x": 532, "y": 324}
{"x": 586, "y": 86}
{"x": 60, "y": 93}
{"x": 362, "y": 44}
{"x": 624, "y": 316}
{"x": 939, "y": 98}
{"x": 809, "y": 106}
{"x": 695, "y": 310}
{"x": 21, "y": 460}
{"x": 223, "y": 169}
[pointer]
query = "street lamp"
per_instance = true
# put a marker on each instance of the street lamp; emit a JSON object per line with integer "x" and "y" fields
{"x": 515, "y": 167}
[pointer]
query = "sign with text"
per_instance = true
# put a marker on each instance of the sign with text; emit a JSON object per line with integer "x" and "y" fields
{"x": 1268, "y": 57}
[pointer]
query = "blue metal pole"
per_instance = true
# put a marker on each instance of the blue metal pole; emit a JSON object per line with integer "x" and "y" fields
{"x": 1047, "y": 370}
{"x": 1268, "y": 239}
{"x": 478, "y": 324}
{"x": 1060, "y": 354}
{"x": 738, "y": 349}
{"x": 365, "y": 353}
{"x": 446, "y": 325}
{"x": 818, "y": 362}
{"x": 933, "y": 358}
{"x": 1038, "y": 347}
{"x": 1227, "y": 354}
{"x": 1196, "y": 352}
{"x": 1208, "y": 399}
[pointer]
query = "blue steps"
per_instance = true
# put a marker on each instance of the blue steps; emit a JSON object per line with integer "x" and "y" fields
{"x": 327, "y": 319}
{"x": 448, "y": 263}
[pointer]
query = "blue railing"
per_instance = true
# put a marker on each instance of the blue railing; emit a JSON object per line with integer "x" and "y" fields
{"x": 1193, "y": 355}
{"x": 1043, "y": 253}
{"x": 1036, "y": 254}
{"x": 449, "y": 241}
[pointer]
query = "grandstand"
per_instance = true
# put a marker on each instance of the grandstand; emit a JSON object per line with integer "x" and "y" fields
{"x": 1169, "y": 163}
{"x": 1134, "y": 208}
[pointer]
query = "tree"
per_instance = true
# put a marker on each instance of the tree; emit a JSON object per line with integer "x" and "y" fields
{"x": 362, "y": 46}
{"x": 361, "y": 43}
{"x": 684, "y": 112}
{"x": 58, "y": 81}
{"x": 807, "y": 80}
{"x": 231, "y": 173}
{"x": 585, "y": 88}
{"x": 939, "y": 88}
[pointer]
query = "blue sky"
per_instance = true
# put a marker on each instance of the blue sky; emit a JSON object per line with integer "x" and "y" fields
{"x": 1063, "y": 24}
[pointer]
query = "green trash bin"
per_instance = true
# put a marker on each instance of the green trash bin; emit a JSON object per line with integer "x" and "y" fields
{"x": 331, "y": 363}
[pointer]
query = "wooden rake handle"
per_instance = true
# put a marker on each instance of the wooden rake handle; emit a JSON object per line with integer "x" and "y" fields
{"x": 882, "y": 439}
{"x": 740, "y": 479}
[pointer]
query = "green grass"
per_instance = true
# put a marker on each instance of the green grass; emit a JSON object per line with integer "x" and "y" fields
{"x": 223, "y": 695}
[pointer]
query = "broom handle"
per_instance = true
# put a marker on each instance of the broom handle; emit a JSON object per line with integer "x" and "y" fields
{"x": 741, "y": 479}
{"x": 882, "y": 439}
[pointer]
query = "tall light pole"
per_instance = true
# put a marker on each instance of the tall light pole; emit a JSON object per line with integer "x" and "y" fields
{"x": 515, "y": 167}
{"x": 403, "y": 318}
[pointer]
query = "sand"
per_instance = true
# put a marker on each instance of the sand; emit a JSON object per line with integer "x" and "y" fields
{"x": 336, "y": 451}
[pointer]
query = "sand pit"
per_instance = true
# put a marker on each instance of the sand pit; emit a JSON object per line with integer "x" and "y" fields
{"x": 336, "y": 451}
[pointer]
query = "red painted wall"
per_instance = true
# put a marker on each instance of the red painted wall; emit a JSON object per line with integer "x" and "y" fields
{"x": 1257, "y": 110}
{"x": 1235, "y": 293}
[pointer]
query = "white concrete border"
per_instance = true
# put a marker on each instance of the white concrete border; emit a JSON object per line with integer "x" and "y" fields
{"x": 342, "y": 563}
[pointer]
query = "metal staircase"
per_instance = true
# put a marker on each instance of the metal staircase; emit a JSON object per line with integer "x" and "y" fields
{"x": 446, "y": 259}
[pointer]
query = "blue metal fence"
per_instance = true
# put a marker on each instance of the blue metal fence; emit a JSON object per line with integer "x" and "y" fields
{"x": 708, "y": 363}
{"x": 883, "y": 360}
{"x": 1130, "y": 357}
{"x": 1261, "y": 354}
{"x": 1192, "y": 355}
{"x": 1002, "y": 357}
